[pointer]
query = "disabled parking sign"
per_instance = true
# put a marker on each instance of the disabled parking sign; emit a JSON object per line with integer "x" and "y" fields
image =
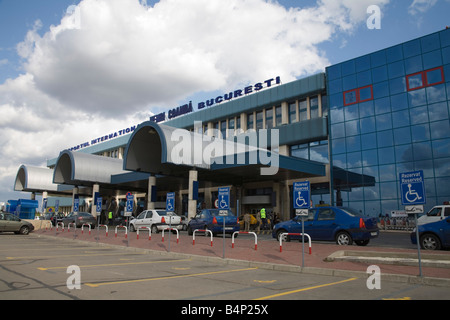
{"x": 129, "y": 204}
{"x": 301, "y": 195}
{"x": 170, "y": 202}
{"x": 224, "y": 198}
{"x": 412, "y": 188}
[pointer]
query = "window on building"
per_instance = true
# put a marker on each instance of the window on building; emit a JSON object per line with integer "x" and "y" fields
{"x": 314, "y": 107}
{"x": 303, "y": 110}
{"x": 425, "y": 78}
{"x": 231, "y": 127}
{"x": 315, "y": 151}
{"x": 269, "y": 118}
{"x": 250, "y": 121}
{"x": 259, "y": 120}
{"x": 293, "y": 112}
{"x": 216, "y": 129}
{"x": 278, "y": 116}
{"x": 223, "y": 128}
{"x": 358, "y": 95}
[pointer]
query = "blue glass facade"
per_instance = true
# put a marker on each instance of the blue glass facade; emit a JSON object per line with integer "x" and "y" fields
{"x": 389, "y": 113}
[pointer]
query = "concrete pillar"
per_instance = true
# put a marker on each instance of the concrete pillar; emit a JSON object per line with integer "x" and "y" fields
{"x": 285, "y": 201}
{"x": 284, "y": 113}
{"x": 95, "y": 188}
{"x": 192, "y": 204}
{"x": 44, "y": 196}
{"x": 151, "y": 184}
{"x": 277, "y": 189}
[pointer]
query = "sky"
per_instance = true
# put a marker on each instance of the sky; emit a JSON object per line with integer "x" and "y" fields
{"x": 74, "y": 70}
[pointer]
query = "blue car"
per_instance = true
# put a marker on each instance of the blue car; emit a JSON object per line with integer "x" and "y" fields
{"x": 433, "y": 235}
{"x": 213, "y": 219}
{"x": 343, "y": 225}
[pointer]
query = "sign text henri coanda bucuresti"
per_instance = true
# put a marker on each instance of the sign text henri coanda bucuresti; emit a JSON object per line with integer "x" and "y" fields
{"x": 185, "y": 109}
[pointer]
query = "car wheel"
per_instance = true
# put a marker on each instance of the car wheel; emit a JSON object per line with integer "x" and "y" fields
{"x": 343, "y": 238}
{"x": 132, "y": 228}
{"x": 430, "y": 242}
{"x": 286, "y": 237}
{"x": 24, "y": 230}
{"x": 189, "y": 230}
{"x": 154, "y": 229}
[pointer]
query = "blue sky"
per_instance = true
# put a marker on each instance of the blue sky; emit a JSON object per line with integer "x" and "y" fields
{"x": 65, "y": 81}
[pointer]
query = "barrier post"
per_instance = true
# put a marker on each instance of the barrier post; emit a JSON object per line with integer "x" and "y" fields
{"x": 60, "y": 223}
{"x": 294, "y": 234}
{"x": 170, "y": 229}
{"x": 82, "y": 227}
{"x": 126, "y": 231}
{"x": 149, "y": 233}
{"x": 104, "y": 225}
{"x": 244, "y": 232}
{"x": 202, "y": 230}
{"x": 68, "y": 226}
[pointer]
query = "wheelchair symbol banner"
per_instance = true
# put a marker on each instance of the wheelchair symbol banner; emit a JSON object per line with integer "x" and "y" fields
{"x": 170, "y": 201}
{"x": 224, "y": 198}
{"x": 412, "y": 188}
{"x": 301, "y": 195}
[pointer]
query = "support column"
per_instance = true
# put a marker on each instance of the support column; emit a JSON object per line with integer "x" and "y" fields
{"x": 44, "y": 198}
{"x": 95, "y": 189}
{"x": 192, "y": 204}
{"x": 151, "y": 187}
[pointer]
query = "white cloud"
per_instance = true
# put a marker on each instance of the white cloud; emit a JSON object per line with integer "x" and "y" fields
{"x": 121, "y": 53}
{"x": 420, "y": 6}
{"x": 110, "y": 63}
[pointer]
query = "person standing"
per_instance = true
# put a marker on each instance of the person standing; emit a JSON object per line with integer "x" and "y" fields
{"x": 263, "y": 218}
{"x": 247, "y": 222}
{"x": 259, "y": 222}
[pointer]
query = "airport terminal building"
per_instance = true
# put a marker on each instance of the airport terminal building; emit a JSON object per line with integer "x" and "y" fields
{"x": 350, "y": 131}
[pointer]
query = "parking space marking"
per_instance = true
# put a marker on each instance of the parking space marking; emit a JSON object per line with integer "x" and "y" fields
{"x": 95, "y": 285}
{"x": 116, "y": 264}
{"x": 72, "y": 255}
{"x": 305, "y": 289}
{"x": 265, "y": 281}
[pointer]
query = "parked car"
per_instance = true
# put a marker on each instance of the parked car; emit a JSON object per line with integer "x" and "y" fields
{"x": 11, "y": 223}
{"x": 79, "y": 218}
{"x": 343, "y": 225}
{"x": 157, "y": 220}
{"x": 213, "y": 219}
{"x": 434, "y": 235}
{"x": 435, "y": 214}
{"x": 184, "y": 222}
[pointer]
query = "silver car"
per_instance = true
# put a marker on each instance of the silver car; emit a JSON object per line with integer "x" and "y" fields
{"x": 11, "y": 223}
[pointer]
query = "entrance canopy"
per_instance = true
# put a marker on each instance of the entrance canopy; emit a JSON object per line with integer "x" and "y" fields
{"x": 162, "y": 150}
{"x": 34, "y": 179}
{"x": 81, "y": 169}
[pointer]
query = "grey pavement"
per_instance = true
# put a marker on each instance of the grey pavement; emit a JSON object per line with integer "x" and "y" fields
{"x": 399, "y": 265}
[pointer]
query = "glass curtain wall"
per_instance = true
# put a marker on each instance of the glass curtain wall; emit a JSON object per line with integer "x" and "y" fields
{"x": 389, "y": 113}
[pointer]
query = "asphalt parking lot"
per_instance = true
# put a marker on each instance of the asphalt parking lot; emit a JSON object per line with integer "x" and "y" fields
{"x": 34, "y": 267}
